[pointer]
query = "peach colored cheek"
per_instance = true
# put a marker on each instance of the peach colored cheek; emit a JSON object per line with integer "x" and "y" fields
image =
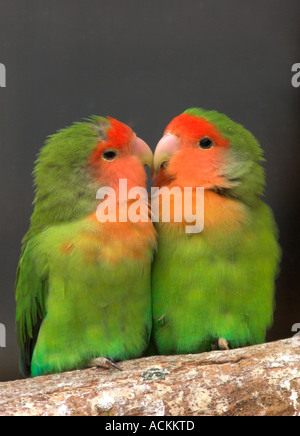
{"x": 127, "y": 167}
{"x": 197, "y": 167}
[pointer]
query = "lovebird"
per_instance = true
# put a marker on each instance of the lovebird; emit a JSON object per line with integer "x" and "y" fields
{"x": 83, "y": 287}
{"x": 213, "y": 289}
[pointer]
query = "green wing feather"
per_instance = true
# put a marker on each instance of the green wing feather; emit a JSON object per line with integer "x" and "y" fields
{"x": 31, "y": 291}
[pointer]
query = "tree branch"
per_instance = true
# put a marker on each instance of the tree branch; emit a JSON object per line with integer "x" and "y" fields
{"x": 261, "y": 380}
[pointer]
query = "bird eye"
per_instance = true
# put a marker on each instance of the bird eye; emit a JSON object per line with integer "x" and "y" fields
{"x": 206, "y": 143}
{"x": 109, "y": 155}
{"x": 164, "y": 165}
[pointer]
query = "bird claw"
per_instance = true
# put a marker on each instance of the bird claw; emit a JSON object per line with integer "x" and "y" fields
{"x": 223, "y": 344}
{"x": 103, "y": 362}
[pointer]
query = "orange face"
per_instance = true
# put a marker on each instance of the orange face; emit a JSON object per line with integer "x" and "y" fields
{"x": 191, "y": 154}
{"x": 121, "y": 156}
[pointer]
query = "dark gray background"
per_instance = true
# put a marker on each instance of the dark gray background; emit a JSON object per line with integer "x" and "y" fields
{"x": 144, "y": 62}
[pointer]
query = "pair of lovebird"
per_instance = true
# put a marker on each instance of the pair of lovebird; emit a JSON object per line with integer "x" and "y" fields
{"x": 88, "y": 291}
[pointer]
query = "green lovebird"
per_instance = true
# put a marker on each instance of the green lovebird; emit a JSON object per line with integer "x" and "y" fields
{"x": 213, "y": 288}
{"x": 83, "y": 287}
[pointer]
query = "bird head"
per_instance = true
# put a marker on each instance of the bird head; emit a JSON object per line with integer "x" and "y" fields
{"x": 206, "y": 149}
{"x": 80, "y": 159}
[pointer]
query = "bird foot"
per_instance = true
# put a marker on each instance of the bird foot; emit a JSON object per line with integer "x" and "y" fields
{"x": 103, "y": 362}
{"x": 223, "y": 344}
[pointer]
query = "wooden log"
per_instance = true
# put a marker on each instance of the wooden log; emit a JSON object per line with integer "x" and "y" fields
{"x": 263, "y": 380}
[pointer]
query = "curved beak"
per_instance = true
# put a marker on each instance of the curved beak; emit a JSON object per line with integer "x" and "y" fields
{"x": 143, "y": 152}
{"x": 165, "y": 149}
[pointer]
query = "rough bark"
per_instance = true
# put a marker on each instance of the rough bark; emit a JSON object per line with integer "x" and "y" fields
{"x": 260, "y": 380}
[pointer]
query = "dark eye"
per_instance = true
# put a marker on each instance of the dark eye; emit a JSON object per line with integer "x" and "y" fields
{"x": 109, "y": 155}
{"x": 206, "y": 143}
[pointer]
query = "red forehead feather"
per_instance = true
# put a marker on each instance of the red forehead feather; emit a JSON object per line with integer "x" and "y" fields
{"x": 119, "y": 136}
{"x": 192, "y": 129}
